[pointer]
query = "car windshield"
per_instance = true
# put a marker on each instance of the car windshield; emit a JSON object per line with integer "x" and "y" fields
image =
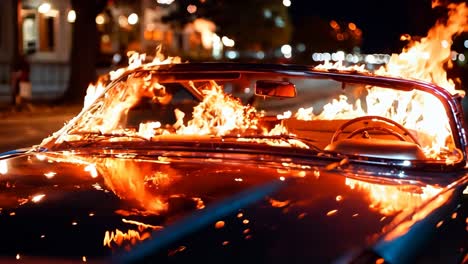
{"x": 324, "y": 115}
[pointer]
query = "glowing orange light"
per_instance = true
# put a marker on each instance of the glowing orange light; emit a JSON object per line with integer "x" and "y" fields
{"x": 426, "y": 60}
{"x": 50, "y": 174}
{"x": 390, "y": 199}
{"x": 37, "y": 198}
{"x": 332, "y": 212}
{"x": 219, "y": 224}
{"x": 3, "y": 167}
{"x": 277, "y": 203}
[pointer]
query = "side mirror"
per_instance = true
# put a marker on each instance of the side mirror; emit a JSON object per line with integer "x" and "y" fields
{"x": 282, "y": 89}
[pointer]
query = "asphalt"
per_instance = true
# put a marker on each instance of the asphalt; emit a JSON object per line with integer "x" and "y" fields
{"x": 26, "y": 125}
{"x": 37, "y": 109}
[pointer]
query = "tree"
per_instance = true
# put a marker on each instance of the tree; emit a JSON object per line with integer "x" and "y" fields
{"x": 84, "y": 50}
{"x": 254, "y": 25}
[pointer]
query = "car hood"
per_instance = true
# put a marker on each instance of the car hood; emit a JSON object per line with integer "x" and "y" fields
{"x": 72, "y": 206}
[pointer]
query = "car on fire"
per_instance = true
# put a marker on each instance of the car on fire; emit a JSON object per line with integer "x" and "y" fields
{"x": 224, "y": 162}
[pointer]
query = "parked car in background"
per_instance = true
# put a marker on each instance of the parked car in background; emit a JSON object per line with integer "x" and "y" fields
{"x": 232, "y": 163}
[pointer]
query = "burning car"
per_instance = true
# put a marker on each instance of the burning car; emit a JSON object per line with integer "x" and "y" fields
{"x": 219, "y": 162}
{"x": 167, "y": 163}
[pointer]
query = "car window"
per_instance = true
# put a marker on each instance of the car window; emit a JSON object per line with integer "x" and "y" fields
{"x": 326, "y": 115}
{"x": 162, "y": 108}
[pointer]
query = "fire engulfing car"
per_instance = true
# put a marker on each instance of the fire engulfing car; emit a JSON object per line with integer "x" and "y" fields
{"x": 244, "y": 163}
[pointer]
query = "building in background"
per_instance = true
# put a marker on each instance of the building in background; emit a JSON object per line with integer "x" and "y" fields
{"x": 43, "y": 36}
{"x": 42, "y": 31}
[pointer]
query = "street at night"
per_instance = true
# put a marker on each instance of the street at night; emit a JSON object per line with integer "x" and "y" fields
{"x": 226, "y": 131}
{"x": 28, "y": 128}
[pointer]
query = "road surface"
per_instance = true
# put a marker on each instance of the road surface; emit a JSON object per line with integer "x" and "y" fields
{"x": 18, "y": 130}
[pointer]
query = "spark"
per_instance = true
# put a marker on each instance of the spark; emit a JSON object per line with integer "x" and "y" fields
{"x": 332, "y": 212}
{"x": 37, "y": 198}
{"x": 219, "y": 224}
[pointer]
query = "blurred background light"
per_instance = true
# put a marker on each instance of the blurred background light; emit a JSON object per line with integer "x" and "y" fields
{"x": 228, "y": 42}
{"x": 279, "y": 22}
{"x": 100, "y": 19}
{"x": 165, "y": 2}
{"x": 260, "y": 55}
{"x": 461, "y": 57}
{"x": 191, "y": 9}
{"x": 301, "y": 47}
{"x": 285, "y": 49}
{"x": 44, "y": 8}
{"x": 267, "y": 13}
{"x": 132, "y": 19}
{"x": 232, "y": 54}
{"x": 123, "y": 22}
{"x": 71, "y": 16}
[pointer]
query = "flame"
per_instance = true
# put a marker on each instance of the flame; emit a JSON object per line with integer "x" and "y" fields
{"x": 132, "y": 236}
{"x": 37, "y": 198}
{"x": 129, "y": 179}
{"x": 279, "y": 204}
{"x": 91, "y": 168}
{"x": 403, "y": 228}
{"x": 219, "y": 114}
{"x": 390, "y": 199}
{"x": 137, "y": 60}
{"x": 423, "y": 60}
{"x": 426, "y": 59}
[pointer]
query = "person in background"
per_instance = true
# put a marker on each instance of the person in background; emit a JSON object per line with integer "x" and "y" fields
{"x": 20, "y": 73}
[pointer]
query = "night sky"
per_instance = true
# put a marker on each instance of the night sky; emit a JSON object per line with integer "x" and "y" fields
{"x": 382, "y": 21}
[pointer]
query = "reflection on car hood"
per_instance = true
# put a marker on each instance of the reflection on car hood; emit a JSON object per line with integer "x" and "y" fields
{"x": 56, "y": 206}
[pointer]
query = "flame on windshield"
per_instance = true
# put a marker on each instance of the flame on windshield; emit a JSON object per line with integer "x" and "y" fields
{"x": 427, "y": 60}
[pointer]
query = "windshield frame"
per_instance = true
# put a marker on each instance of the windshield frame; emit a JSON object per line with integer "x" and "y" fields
{"x": 450, "y": 102}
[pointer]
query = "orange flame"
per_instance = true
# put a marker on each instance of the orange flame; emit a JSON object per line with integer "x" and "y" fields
{"x": 218, "y": 114}
{"x": 424, "y": 60}
{"x": 390, "y": 199}
{"x": 129, "y": 179}
{"x": 132, "y": 236}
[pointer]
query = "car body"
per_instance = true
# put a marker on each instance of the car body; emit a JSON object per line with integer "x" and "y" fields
{"x": 163, "y": 165}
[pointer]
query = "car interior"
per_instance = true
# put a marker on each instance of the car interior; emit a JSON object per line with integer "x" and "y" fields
{"x": 359, "y": 134}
